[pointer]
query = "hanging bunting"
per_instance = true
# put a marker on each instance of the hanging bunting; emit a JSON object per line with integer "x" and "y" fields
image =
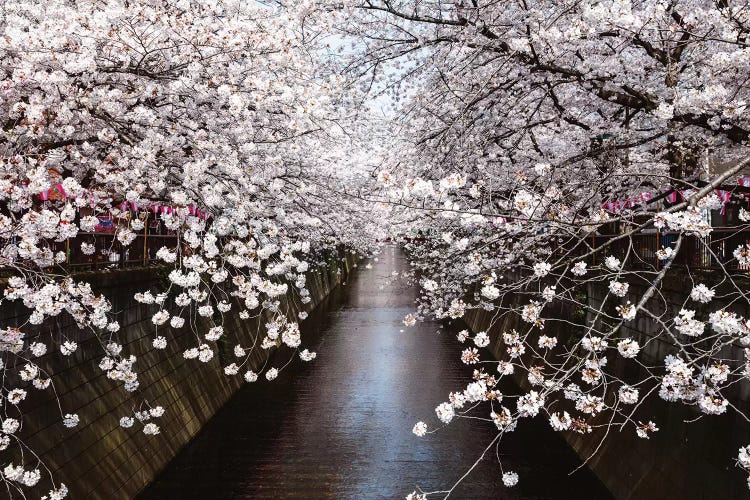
{"x": 724, "y": 196}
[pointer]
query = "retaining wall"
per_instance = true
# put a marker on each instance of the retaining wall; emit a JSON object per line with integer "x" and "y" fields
{"x": 683, "y": 460}
{"x": 99, "y": 459}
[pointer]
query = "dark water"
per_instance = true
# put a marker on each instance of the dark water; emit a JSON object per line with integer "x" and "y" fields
{"x": 340, "y": 427}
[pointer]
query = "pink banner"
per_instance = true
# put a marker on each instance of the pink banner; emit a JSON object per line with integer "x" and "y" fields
{"x": 724, "y": 196}
{"x": 51, "y": 192}
{"x": 616, "y": 206}
{"x": 744, "y": 181}
{"x": 675, "y": 196}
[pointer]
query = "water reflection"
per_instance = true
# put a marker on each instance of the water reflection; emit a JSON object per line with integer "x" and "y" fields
{"x": 340, "y": 427}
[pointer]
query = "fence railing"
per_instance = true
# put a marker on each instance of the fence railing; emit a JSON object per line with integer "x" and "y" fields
{"x": 714, "y": 251}
{"x": 110, "y": 253}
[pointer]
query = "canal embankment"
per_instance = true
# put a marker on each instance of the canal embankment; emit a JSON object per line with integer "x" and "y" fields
{"x": 692, "y": 456}
{"x": 99, "y": 459}
{"x": 341, "y": 426}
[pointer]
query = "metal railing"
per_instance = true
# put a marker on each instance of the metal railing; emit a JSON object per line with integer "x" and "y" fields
{"x": 110, "y": 253}
{"x": 713, "y": 252}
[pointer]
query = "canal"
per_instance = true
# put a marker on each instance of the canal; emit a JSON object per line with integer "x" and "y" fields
{"x": 341, "y": 426}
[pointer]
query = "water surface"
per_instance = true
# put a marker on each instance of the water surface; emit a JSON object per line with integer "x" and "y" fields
{"x": 340, "y": 427}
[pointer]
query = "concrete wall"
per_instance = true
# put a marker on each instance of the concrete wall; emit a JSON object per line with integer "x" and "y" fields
{"x": 100, "y": 460}
{"x": 683, "y": 460}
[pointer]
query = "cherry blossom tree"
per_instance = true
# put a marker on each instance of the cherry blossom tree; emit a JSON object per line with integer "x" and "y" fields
{"x": 542, "y": 152}
{"x": 545, "y": 150}
{"x": 217, "y": 110}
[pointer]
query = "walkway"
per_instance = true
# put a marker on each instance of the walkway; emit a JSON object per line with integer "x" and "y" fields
{"x": 340, "y": 427}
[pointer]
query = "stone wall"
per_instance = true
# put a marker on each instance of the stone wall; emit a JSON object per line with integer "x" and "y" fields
{"x": 683, "y": 460}
{"x": 99, "y": 459}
